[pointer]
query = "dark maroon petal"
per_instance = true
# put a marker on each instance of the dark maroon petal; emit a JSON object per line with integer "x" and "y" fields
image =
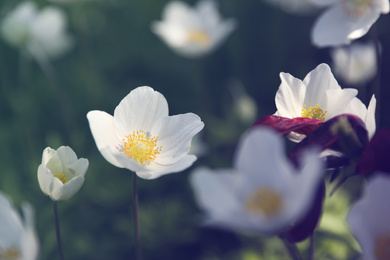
{"x": 305, "y": 227}
{"x": 350, "y": 144}
{"x": 285, "y": 125}
{"x": 376, "y": 155}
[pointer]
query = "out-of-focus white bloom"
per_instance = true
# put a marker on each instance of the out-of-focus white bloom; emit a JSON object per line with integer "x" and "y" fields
{"x": 355, "y": 64}
{"x": 18, "y": 240}
{"x": 142, "y": 137}
{"x": 319, "y": 96}
{"x": 192, "y": 32}
{"x": 369, "y": 219}
{"x": 61, "y": 174}
{"x": 295, "y": 6}
{"x": 264, "y": 192}
{"x": 41, "y": 32}
{"x": 243, "y": 104}
{"x": 345, "y": 20}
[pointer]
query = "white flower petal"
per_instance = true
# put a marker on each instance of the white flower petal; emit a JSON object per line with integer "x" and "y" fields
{"x": 175, "y": 134}
{"x": 139, "y": 110}
{"x": 10, "y": 223}
{"x": 290, "y": 96}
{"x": 338, "y": 102}
{"x": 156, "y": 170}
{"x": 370, "y": 117}
{"x": 47, "y": 154}
{"x": 29, "y": 240}
{"x": 67, "y": 190}
{"x": 47, "y": 182}
{"x": 334, "y": 27}
{"x": 368, "y": 219}
{"x": 77, "y": 168}
{"x": 103, "y": 131}
{"x": 259, "y": 156}
{"x": 318, "y": 81}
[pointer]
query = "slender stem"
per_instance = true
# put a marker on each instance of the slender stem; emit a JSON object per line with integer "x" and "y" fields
{"x": 136, "y": 222}
{"x": 292, "y": 249}
{"x": 311, "y": 248}
{"x": 58, "y": 234}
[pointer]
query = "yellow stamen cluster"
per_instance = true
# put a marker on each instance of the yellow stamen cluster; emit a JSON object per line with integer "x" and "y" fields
{"x": 355, "y": 7}
{"x": 62, "y": 177}
{"x": 265, "y": 202}
{"x": 199, "y": 37}
{"x": 382, "y": 247}
{"x": 10, "y": 253}
{"x": 141, "y": 147}
{"x": 313, "y": 112}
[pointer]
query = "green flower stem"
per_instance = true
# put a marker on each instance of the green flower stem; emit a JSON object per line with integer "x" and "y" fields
{"x": 136, "y": 221}
{"x": 292, "y": 249}
{"x": 58, "y": 234}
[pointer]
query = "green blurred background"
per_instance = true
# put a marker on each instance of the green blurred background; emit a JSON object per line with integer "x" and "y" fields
{"x": 115, "y": 52}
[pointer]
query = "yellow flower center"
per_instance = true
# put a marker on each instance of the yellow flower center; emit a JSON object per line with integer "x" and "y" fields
{"x": 382, "y": 247}
{"x": 199, "y": 37}
{"x": 356, "y": 7}
{"x": 62, "y": 177}
{"x": 265, "y": 202}
{"x": 141, "y": 147}
{"x": 9, "y": 254}
{"x": 313, "y": 112}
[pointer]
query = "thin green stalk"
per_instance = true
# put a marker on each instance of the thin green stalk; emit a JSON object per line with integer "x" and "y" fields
{"x": 58, "y": 234}
{"x": 292, "y": 250}
{"x": 136, "y": 220}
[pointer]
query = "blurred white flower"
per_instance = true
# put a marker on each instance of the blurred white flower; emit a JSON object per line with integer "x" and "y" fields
{"x": 369, "y": 219}
{"x": 355, "y": 64}
{"x": 192, "y": 32}
{"x": 345, "y": 20}
{"x": 319, "y": 96}
{"x": 142, "y": 137}
{"x": 18, "y": 240}
{"x": 264, "y": 192}
{"x": 295, "y": 6}
{"x": 41, "y": 32}
{"x": 244, "y": 105}
{"x": 61, "y": 174}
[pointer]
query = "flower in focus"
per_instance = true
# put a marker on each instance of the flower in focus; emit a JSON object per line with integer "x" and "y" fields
{"x": 264, "y": 192}
{"x": 345, "y": 20}
{"x": 355, "y": 64}
{"x": 142, "y": 137}
{"x": 192, "y": 32}
{"x": 295, "y": 6}
{"x": 61, "y": 174}
{"x": 40, "y": 32}
{"x": 369, "y": 219}
{"x": 17, "y": 237}
{"x": 320, "y": 97}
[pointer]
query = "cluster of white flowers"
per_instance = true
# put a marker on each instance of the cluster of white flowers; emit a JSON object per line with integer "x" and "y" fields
{"x": 265, "y": 192}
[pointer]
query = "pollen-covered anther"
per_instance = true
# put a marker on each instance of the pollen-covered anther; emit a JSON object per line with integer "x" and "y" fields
{"x": 141, "y": 147}
{"x": 356, "y": 7}
{"x": 382, "y": 247}
{"x": 199, "y": 37}
{"x": 264, "y": 202}
{"x": 314, "y": 113}
{"x": 62, "y": 177}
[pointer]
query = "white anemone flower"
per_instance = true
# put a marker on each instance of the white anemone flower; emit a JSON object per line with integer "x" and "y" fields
{"x": 40, "y": 32}
{"x": 61, "y": 174}
{"x": 18, "y": 240}
{"x": 355, "y": 64}
{"x": 319, "y": 96}
{"x": 345, "y": 20}
{"x": 369, "y": 219}
{"x": 192, "y": 32}
{"x": 142, "y": 137}
{"x": 264, "y": 192}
